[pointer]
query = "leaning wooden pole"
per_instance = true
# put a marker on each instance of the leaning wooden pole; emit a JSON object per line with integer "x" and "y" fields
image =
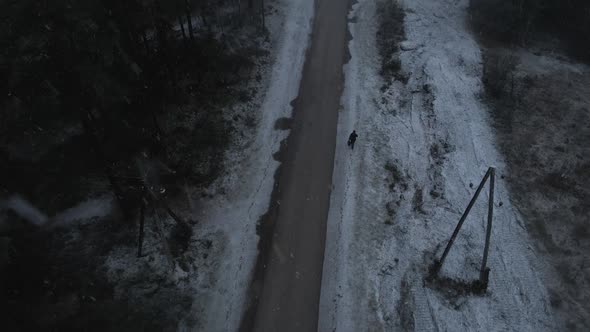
{"x": 484, "y": 272}
{"x": 141, "y": 225}
{"x": 439, "y": 263}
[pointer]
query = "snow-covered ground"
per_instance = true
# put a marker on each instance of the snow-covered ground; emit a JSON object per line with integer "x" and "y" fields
{"x": 544, "y": 137}
{"x": 385, "y": 226}
{"x": 214, "y": 273}
{"x": 248, "y": 182}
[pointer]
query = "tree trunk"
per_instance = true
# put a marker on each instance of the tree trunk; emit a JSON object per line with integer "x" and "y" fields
{"x": 145, "y": 43}
{"x": 159, "y": 132}
{"x": 160, "y": 28}
{"x": 219, "y": 22}
{"x": 95, "y": 144}
{"x": 182, "y": 28}
{"x": 188, "y": 19}
{"x": 141, "y": 224}
{"x": 204, "y": 20}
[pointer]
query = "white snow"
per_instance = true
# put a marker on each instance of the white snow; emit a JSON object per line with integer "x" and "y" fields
{"x": 85, "y": 211}
{"x": 408, "y": 45}
{"x": 24, "y": 209}
{"x": 374, "y": 271}
{"x": 249, "y": 182}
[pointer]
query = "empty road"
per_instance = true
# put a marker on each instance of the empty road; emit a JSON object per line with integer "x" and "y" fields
{"x": 286, "y": 288}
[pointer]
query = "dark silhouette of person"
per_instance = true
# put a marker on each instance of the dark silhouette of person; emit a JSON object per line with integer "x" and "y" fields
{"x": 352, "y": 139}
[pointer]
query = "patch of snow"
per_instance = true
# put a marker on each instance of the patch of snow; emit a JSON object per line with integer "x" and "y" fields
{"x": 25, "y": 210}
{"x": 408, "y": 46}
{"x": 439, "y": 139}
{"x": 85, "y": 211}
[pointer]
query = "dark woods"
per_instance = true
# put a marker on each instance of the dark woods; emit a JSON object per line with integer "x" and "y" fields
{"x": 123, "y": 98}
{"x": 99, "y": 90}
{"x": 521, "y": 22}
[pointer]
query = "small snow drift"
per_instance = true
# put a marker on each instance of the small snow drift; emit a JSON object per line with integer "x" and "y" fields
{"x": 25, "y": 210}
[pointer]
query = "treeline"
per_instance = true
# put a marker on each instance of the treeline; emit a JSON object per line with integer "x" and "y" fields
{"x": 90, "y": 87}
{"x": 521, "y": 21}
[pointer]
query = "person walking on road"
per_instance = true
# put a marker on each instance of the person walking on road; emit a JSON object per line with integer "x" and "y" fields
{"x": 352, "y": 139}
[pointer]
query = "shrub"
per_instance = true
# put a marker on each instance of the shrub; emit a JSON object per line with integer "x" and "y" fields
{"x": 498, "y": 74}
{"x": 389, "y": 35}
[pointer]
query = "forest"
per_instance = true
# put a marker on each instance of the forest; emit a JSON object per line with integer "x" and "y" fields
{"x": 535, "y": 57}
{"x": 113, "y": 81}
{"x": 118, "y": 98}
{"x": 521, "y": 22}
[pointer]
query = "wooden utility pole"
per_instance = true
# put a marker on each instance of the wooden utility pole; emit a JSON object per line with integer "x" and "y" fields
{"x": 182, "y": 28}
{"x": 484, "y": 271}
{"x": 188, "y": 12}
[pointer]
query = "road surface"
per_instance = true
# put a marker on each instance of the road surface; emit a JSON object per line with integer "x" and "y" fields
{"x": 286, "y": 286}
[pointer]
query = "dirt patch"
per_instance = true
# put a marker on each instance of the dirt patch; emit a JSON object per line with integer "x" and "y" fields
{"x": 389, "y": 36}
{"x": 438, "y": 151}
{"x": 397, "y": 182}
{"x": 454, "y": 291}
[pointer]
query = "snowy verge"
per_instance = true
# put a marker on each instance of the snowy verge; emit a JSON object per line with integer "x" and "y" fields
{"x": 249, "y": 182}
{"x": 423, "y": 147}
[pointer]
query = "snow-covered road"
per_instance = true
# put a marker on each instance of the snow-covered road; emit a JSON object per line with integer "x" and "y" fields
{"x": 398, "y": 197}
